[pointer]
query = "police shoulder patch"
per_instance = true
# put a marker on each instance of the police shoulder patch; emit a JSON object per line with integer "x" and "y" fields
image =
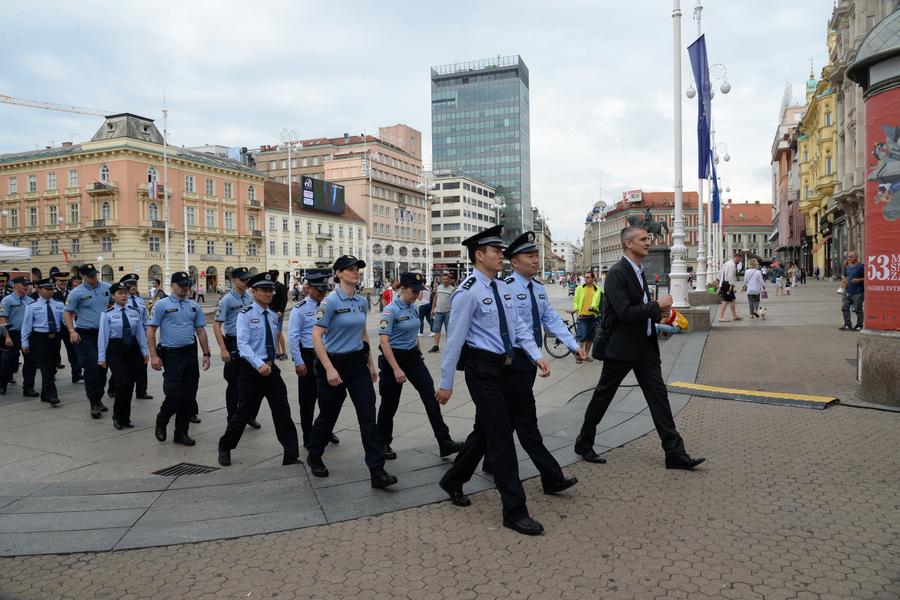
{"x": 321, "y": 312}
{"x": 383, "y": 324}
{"x": 247, "y": 309}
{"x": 299, "y": 304}
{"x": 468, "y": 283}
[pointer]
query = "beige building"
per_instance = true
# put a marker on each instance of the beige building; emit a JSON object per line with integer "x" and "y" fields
{"x": 102, "y": 202}
{"x": 460, "y": 207}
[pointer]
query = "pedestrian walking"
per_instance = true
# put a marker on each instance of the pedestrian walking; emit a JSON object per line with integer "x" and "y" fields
{"x": 61, "y": 294}
{"x": 41, "y": 325}
{"x": 854, "y": 282}
{"x": 156, "y": 293}
{"x": 440, "y": 317}
{"x": 629, "y": 343}
{"x": 481, "y": 341}
{"x": 260, "y": 376}
{"x": 300, "y": 328}
{"x": 122, "y": 346}
{"x": 345, "y": 366}
{"x": 727, "y": 282}
{"x": 225, "y": 332}
{"x": 423, "y": 305}
{"x": 586, "y": 303}
{"x": 83, "y": 309}
{"x": 817, "y": 273}
{"x": 401, "y": 361}
{"x": 754, "y": 283}
{"x": 181, "y": 324}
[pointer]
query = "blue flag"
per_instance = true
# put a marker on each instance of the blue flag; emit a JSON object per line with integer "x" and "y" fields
{"x": 716, "y": 203}
{"x": 700, "y": 67}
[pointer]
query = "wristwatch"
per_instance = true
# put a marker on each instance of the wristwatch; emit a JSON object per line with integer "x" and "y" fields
{"x": 207, "y": 354}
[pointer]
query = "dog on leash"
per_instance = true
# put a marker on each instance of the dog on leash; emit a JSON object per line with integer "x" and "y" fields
{"x": 761, "y": 312}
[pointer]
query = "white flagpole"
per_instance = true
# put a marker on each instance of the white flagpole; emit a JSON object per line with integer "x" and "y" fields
{"x": 168, "y": 272}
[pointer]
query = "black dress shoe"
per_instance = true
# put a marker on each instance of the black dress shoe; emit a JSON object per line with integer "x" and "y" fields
{"x": 584, "y": 448}
{"x": 116, "y": 423}
{"x": 95, "y": 411}
{"x": 103, "y": 407}
{"x": 144, "y": 397}
{"x": 224, "y": 457}
{"x": 389, "y": 454}
{"x": 565, "y": 484}
{"x": 54, "y": 402}
{"x": 195, "y": 419}
{"x": 2, "y": 389}
{"x": 160, "y": 432}
{"x": 127, "y": 424}
{"x": 448, "y": 447}
{"x": 381, "y": 479}
{"x": 457, "y": 497}
{"x": 184, "y": 440}
{"x": 333, "y": 439}
{"x": 487, "y": 467}
{"x": 683, "y": 461}
{"x": 316, "y": 466}
{"x": 291, "y": 461}
{"x": 30, "y": 393}
{"x": 60, "y": 366}
{"x": 77, "y": 378}
{"x": 526, "y": 526}
{"x": 252, "y": 423}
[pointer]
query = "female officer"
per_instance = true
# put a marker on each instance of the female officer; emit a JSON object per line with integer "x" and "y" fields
{"x": 122, "y": 345}
{"x": 401, "y": 360}
{"x": 345, "y": 365}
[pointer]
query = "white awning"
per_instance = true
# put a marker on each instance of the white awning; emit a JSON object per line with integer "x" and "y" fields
{"x": 14, "y": 253}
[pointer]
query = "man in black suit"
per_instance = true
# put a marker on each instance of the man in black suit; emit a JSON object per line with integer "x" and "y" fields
{"x": 628, "y": 342}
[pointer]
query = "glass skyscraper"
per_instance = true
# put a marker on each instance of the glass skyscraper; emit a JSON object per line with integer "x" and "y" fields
{"x": 480, "y": 128}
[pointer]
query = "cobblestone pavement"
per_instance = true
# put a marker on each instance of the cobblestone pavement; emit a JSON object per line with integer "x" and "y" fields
{"x": 791, "y": 504}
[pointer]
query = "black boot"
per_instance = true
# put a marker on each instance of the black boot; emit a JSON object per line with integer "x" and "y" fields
{"x": 381, "y": 479}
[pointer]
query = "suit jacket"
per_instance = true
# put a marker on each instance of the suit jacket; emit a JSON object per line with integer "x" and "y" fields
{"x": 624, "y": 333}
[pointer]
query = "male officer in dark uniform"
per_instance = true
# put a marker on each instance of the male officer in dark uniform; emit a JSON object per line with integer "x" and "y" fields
{"x": 260, "y": 376}
{"x": 225, "y": 330}
{"x": 483, "y": 333}
{"x": 137, "y": 303}
{"x": 85, "y": 304}
{"x": 61, "y": 294}
{"x": 40, "y": 328}
{"x": 12, "y": 314}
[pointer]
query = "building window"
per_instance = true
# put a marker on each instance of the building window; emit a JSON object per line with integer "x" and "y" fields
{"x": 340, "y": 231}
{"x": 251, "y": 193}
{"x": 54, "y": 246}
{"x": 191, "y": 246}
{"x": 330, "y": 251}
{"x": 210, "y": 218}
{"x": 210, "y": 247}
{"x": 283, "y": 163}
{"x": 191, "y": 216}
{"x": 285, "y": 249}
{"x": 35, "y": 247}
{"x": 32, "y": 183}
{"x": 284, "y": 224}
{"x": 273, "y": 164}
{"x": 52, "y": 215}
{"x": 152, "y": 175}
{"x": 828, "y": 118}
{"x": 51, "y": 181}
{"x": 153, "y": 243}
{"x": 251, "y": 220}
{"x": 318, "y": 228}
{"x": 296, "y": 248}
{"x": 14, "y": 218}
{"x": 805, "y": 155}
{"x": 271, "y": 223}
{"x": 828, "y": 165}
{"x": 73, "y": 178}
{"x": 226, "y": 189}
{"x": 74, "y": 210}
{"x": 153, "y": 211}
{"x": 296, "y": 225}
{"x": 13, "y": 185}
{"x": 210, "y": 187}
{"x": 32, "y": 216}
{"x": 229, "y": 248}
{"x": 104, "y": 174}
{"x": 309, "y": 250}
{"x": 272, "y": 247}
{"x": 251, "y": 249}
{"x": 106, "y": 244}
{"x": 321, "y": 251}
{"x": 105, "y": 211}
{"x": 189, "y": 184}
{"x": 309, "y": 227}
{"x": 229, "y": 220}
{"x": 76, "y": 245}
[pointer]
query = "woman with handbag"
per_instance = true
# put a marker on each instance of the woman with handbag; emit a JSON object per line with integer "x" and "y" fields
{"x": 754, "y": 283}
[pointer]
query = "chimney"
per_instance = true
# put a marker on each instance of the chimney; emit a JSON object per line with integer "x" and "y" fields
{"x": 757, "y": 202}
{"x": 729, "y": 201}
{"x": 346, "y": 138}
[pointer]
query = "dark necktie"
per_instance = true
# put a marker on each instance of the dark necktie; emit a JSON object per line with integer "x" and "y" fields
{"x": 134, "y": 303}
{"x": 51, "y": 320}
{"x": 270, "y": 341}
{"x": 535, "y": 316}
{"x": 504, "y": 328}
{"x": 126, "y": 329}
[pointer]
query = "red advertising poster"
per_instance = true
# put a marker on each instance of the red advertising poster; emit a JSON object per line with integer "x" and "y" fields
{"x": 882, "y": 256}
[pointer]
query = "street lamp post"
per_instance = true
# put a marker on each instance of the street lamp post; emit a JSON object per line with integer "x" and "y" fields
{"x": 499, "y": 206}
{"x": 288, "y": 138}
{"x": 678, "y": 277}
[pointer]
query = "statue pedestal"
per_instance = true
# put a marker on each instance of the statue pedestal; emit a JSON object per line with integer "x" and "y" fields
{"x": 658, "y": 262}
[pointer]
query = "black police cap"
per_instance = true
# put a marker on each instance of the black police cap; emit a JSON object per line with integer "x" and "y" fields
{"x": 492, "y": 236}
{"x": 88, "y": 270}
{"x": 523, "y": 243}
{"x": 240, "y": 273}
{"x": 318, "y": 277}
{"x": 346, "y": 261}
{"x": 262, "y": 280}
{"x": 47, "y": 282}
{"x": 415, "y": 281}
{"x": 130, "y": 278}
{"x": 22, "y": 279}
{"x": 181, "y": 278}
{"x": 118, "y": 286}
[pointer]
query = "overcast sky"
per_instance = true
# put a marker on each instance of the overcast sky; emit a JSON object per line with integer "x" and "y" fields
{"x": 236, "y": 73}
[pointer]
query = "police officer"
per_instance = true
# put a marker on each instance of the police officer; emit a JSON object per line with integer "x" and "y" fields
{"x": 137, "y": 303}
{"x": 86, "y": 302}
{"x": 181, "y": 325}
{"x": 300, "y": 328}
{"x": 40, "y": 337}
{"x": 401, "y": 360}
{"x": 225, "y": 330}
{"x": 260, "y": 376}
{"x": 61, "y": 294}
{"x": 122, "y": 344}
{"x": 482, "y": 335}
{"x": 12, "y": 313}
{"x": 345, "y": 365}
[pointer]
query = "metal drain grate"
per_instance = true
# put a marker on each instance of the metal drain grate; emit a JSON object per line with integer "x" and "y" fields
{"x": 185, "y": 469}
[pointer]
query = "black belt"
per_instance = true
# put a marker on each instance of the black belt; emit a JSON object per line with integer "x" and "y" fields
{"x": 50, "y": 336}
{"x": 178, "y": 350}
{"x": 347, "y": 355}
{"x": 487, "y": 355}
{"x": 83, "y": 330}
{"x": 120, "y": 342}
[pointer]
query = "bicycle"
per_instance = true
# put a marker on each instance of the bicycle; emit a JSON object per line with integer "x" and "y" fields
{"x": 553, "y": 345}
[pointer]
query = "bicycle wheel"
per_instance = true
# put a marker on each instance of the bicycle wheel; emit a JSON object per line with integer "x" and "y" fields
{"x": 554, "y": 346}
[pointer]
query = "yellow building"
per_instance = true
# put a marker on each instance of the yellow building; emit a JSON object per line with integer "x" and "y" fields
{"x": 816, "y": 142}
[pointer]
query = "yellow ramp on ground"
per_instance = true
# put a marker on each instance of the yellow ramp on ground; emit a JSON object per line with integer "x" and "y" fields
{"x": 765, "y": 397}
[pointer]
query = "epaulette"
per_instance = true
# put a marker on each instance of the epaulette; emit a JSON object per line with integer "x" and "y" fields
{"x": 247, "y": 309}
{"x": 536, "y": 281}
{"x": 299, "y": 304}
{"x": 109, "y": 309}
{"x": 510, "y": 279}
{"x": 468, "y": 283}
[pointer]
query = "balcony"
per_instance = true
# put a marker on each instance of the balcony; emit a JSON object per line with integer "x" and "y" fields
{"x": 51, "y": 193}
{"x": 72, "y": 191}
{"x": 257, "y": 233}
{"x": 102, "y": 224}
{"x": 99, "y": 188}
{"x": 160, "y": 190}
{"x": 324, "y": 237}
{"x": 156, "y": 224}
{"x": 254, "y": 204}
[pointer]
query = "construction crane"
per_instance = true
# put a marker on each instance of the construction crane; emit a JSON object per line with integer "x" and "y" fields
{"x": 54, "y": 107}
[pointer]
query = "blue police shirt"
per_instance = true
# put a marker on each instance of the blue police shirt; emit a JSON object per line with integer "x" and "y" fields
{"x": 229, "y": 306}
{"x": 87, "y": 302}
{"x": 400, "y": 321}
{"x": 111, "y": 329}
{"x": 300, "y": 327}
{"x": 344, "y": 318}
{"x": 13, "y": 308}
{"x": 476, "y": 322}
{"x": 137, "y": 303}
{"x": 251, "y": 333}
{"x": 177, "y": 321}
{"x": 35, "y": 318}
{"x": 549, "y": 317}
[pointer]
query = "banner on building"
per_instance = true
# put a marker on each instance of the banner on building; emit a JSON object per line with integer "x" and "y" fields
{"x": 633, "y": 196}
{"x": 882, "y": 253}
